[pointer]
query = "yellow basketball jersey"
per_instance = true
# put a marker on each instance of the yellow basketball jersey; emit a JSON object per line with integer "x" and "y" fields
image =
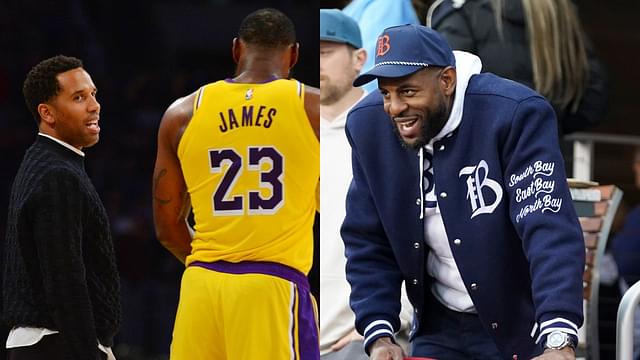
{"x": 251, "y": 164}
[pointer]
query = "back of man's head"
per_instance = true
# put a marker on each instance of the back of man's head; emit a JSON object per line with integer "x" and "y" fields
{"x": 267, "y": 28}
{"x": 41, "y": 84}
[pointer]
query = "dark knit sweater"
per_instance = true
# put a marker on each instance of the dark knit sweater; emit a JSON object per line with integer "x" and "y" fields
{"x": 60, "y": 270}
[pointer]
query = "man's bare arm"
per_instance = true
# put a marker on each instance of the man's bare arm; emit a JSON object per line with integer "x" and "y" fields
{"x": 171, "y": 203}
{"x": 312, "y": 107}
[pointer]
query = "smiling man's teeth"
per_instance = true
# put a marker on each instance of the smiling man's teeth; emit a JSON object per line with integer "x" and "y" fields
{"x": 408, "y": 124}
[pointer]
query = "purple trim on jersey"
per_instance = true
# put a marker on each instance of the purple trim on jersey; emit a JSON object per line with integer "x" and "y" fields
{"x": 307, "y": 325}
{"x": 257, "y": 267}
{"x": 307, "y": 328}
{"x": 293, "y": 329}
{"x": 273, "y": 78}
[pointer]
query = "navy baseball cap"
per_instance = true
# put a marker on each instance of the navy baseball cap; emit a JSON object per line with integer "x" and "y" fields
{"x": 405, "y": 49}
{"x": 335, "y": 26}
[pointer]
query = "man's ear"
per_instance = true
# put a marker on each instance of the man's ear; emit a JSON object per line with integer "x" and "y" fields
{"x": 46, "y": 114}
{"x": 448, "y": 80}
{"x": 235, "y": 50}
{"x": 293, "y": 58}
{"x": 361, "y": 58}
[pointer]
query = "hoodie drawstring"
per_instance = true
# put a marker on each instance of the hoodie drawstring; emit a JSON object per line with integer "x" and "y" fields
{"x": 421, "y": 156}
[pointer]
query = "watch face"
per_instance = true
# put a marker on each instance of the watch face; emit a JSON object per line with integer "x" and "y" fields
{"x": 556, "y": 339}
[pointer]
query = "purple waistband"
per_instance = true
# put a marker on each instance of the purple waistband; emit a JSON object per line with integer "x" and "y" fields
{"x": 257, "y": 267}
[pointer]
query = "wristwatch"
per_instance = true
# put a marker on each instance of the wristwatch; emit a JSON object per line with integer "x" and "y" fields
{"x": 558, "y": 340}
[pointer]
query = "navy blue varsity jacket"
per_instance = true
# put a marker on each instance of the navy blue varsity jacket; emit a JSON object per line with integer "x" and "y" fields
{"x": 502, "y": 192}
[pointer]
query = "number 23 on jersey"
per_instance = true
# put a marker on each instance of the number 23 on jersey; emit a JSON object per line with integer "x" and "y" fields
{"x": 232, "y": 197}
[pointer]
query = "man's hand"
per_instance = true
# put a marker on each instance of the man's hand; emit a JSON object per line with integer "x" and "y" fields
{"x": 384, "y": 349}
{"x": 352, "y": 336}
{"x": 566, "y": 353}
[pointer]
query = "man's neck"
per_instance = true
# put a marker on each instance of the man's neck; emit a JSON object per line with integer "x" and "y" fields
{"x": 331, "y": 111}
{"x": 63, "y": 143}
{"x": 259, "y": 68}
{"x": 256, "y": 77}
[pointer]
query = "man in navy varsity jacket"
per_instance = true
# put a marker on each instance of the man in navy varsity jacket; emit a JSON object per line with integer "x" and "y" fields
{"x": 459, "y": 189}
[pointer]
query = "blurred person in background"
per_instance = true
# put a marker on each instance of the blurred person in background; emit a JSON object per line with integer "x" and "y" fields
{"x": 244, "y": 153}
{"x": 539, "y": 43}
{"x": 626, "y": 250}
{"x": 60, "y": 282}
{"x": 341, "y": 59}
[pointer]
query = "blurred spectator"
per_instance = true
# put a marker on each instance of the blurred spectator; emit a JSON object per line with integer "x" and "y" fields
{"x": 373, "y": 16}
{"x": 626, "y": 250}
{"x": 539, "y": 43}
{"x": 626, "y": 243}
{"x": 422, "y": 7}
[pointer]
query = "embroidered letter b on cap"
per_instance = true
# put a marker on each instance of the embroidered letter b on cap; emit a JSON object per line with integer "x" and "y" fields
{"x": 383, "y": 45}
{"x": 405, "y": 49}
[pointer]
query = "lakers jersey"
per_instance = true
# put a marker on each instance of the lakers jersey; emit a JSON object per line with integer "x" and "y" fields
{"x": 250, "y": 160}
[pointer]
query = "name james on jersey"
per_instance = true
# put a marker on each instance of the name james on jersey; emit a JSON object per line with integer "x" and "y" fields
{"x": 263, "y": 117}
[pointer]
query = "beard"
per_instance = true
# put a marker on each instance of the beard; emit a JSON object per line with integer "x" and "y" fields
{"x": 431, "y": 125}
{"x": 331, "y": 92}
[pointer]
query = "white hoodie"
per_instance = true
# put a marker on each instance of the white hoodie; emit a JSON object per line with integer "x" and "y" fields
{"x": 448, "y": 287}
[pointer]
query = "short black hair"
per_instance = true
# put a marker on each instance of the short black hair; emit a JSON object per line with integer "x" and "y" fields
{"x": 267, "y": 27}
{"x": 41, "y": 84}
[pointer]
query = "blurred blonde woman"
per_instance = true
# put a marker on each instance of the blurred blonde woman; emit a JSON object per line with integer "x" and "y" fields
{"x": 539, "y": 43}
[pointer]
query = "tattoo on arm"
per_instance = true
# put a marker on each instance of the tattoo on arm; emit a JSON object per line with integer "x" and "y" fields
{"x": 156, "y": 180}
